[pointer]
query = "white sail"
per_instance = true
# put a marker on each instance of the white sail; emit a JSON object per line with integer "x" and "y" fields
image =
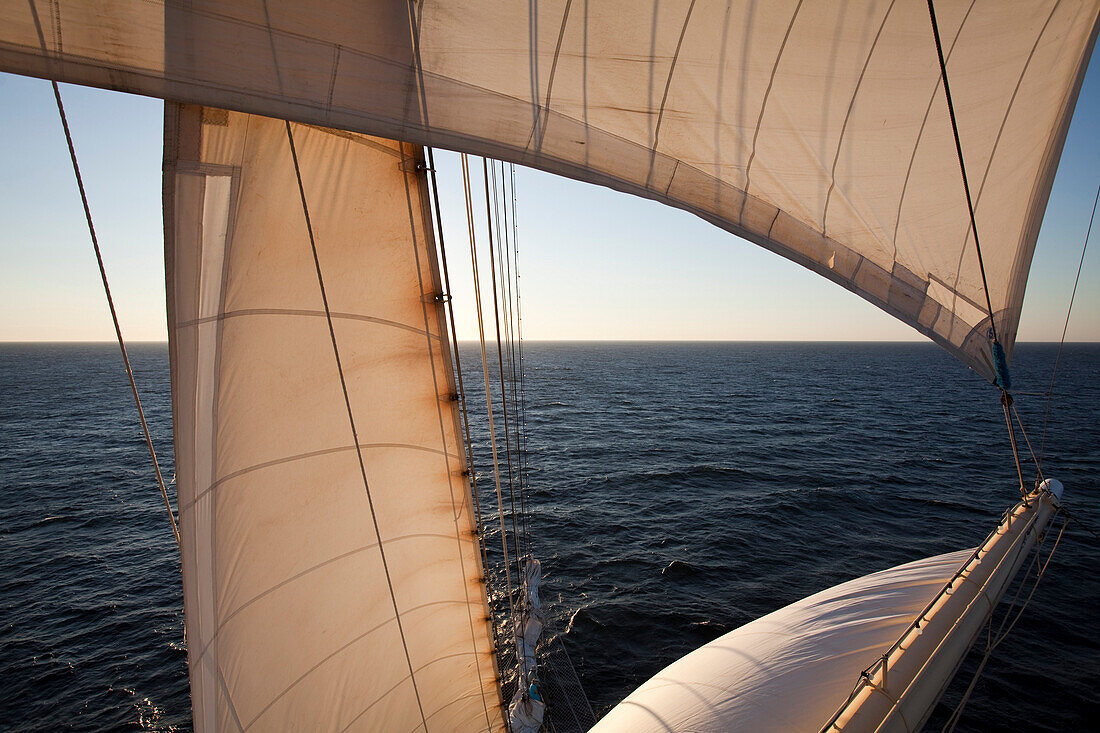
{"x": 794, "y": 668}
{"x": 290, "y": 600}
{"x": 816, "y": 129}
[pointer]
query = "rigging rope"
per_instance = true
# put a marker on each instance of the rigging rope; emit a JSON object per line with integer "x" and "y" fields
{"x": 503, "y": 384}
{"x": 504, "y": 247}
{"x": 470, "y": 472}
{"x": 1000, "y": 366}
{"x": 962, "y": 165}
{"x": 488, "y": 392}
{"x": 524, "y": 465}
{"x": 1069, "y": 310}
{"x": 994, "y": 640}
{"x": 351, "y": 419}
{"x": 512, "y": 305}
{"x": 114, "y": 313}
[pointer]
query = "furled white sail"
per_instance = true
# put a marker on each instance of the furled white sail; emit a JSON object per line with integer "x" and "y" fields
{"x": 814, "y": 128}
{"x": 290, "y": 598}
{"x": 795, "y": 669}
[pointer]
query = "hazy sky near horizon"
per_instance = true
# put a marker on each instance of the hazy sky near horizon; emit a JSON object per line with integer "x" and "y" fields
{"x": 595, "y": 264}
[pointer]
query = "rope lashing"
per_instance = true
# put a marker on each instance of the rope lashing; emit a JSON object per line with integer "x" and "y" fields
{"x": 114, "y": 313}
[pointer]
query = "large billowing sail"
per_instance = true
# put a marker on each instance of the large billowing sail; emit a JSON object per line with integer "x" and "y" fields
{"x": 290, "y": 598}
{"x": 816, "y": 129}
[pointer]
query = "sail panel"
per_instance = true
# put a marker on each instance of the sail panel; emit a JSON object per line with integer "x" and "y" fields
{"x": 817, "y": 130}
{"x": 290, "y": 619}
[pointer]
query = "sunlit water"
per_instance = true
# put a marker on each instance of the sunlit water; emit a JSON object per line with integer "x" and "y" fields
{"x": 678, "y": 491}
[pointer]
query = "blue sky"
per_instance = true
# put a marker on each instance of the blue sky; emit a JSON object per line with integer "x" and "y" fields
{"x": 595, "y": 264}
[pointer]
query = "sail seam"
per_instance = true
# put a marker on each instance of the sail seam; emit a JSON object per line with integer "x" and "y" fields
{"x": 540, "y": 128}
{"x": 1000, "y": 131}
{"x": 351, "y": 419}
{"x": 664, "y": 97}
{"x": 299, "y": 457}
{"x": 302, "y": 312}
{"x": 920, "y": 132}
{"x": 764, "y": 107}
{"x": 848, "y": 115}
{"x": 962, "y": 166}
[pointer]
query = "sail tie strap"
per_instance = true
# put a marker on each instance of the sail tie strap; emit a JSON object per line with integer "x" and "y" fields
{"x": 351, "y": 420}
{"x": 114, "y": 314}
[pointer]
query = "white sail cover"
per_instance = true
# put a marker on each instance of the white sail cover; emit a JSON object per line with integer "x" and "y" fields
{"x": 789, "y": 670}
{"x": 290, "y": 604}
{"x": 815, "y": 128}
{"x": 872, "y": 654}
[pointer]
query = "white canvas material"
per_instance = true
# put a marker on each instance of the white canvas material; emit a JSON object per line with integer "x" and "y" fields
{"x": 289, "y": 616}
{"x": 816, "y": 129}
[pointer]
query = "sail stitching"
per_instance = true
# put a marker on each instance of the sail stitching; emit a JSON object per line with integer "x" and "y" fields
{"x": 226, "y": 315}
{"x": 920, "y": 132}
{"x": 351, "y": 419}
{"x": 848, "y": 115}
{"x": 290, "y": 459}
{"x": 764, "y": 107}
{"x": 1000, "y": 131}
{"x": 539, "y": 129}
{"x": 664, "y": 97}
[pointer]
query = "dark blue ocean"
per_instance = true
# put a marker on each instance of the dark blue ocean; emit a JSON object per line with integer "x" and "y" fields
{"x": 678, "y": 491}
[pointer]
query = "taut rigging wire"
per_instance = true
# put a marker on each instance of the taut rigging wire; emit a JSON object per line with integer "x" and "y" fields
{"x": 470, "y": 472}
{"x": 114, "y": 314}
{"x": 962, "y": 165}
{"x": 524, "y": 467}
{"x": 1069, "y": 310}
{"x": 488, "y": 387}
{"x": 504, "y": 255}
{"x": 1006, "y": 397}
{"x": 503, "y": 384}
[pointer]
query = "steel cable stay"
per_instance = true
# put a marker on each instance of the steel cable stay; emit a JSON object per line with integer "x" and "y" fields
{"x": 508, "y": 384}
{"x": 511, "y": 257}
{"x": 1065, "y": 328}
{"x": 504, "y": 255}
{"x": 500, "y": 365}
{"x": 519, "y": 331}
{"x": 114, "y": 313}
{"x": 469, "y": 472}
{"x": 471, "y": 233}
